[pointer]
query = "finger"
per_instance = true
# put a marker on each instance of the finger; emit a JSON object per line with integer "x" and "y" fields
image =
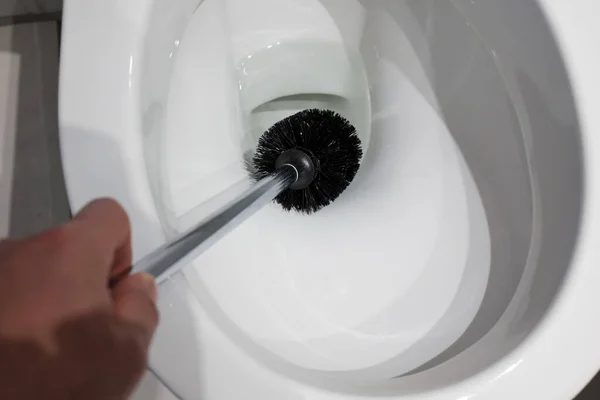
{"x": 135, "y": 302}
{"x": 105, "y": 225}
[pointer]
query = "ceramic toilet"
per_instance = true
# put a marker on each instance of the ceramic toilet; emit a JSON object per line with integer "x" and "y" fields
{"x": 460, "y": 264}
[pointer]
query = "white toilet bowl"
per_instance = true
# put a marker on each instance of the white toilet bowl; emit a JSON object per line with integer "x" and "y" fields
{"x": 460, "y": 264}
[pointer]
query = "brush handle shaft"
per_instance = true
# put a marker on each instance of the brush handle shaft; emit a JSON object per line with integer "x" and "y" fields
{"x": 181, "y": 251}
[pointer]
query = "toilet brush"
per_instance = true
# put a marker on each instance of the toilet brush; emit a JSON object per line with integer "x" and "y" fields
{"x": 303, "y": 162}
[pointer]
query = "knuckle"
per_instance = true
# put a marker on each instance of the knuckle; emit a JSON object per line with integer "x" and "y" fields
{"x": 59, "y": 237}
{"x": 153, "y": 313}
{"x": 147, "y": 310}
{"x": 58, "y": 242}
{"x": 113, "y": 206}
{"x": 102, "y": 210}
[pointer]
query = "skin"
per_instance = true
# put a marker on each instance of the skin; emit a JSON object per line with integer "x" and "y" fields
{"x": 63, "y": 333}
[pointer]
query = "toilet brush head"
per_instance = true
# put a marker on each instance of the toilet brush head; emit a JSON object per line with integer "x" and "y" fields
{"x": 322, "y": 145}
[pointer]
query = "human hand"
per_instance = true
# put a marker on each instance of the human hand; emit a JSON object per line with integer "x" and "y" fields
{"x": 63, "y": 333}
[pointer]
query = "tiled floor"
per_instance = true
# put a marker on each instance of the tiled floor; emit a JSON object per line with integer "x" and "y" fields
{"x": 32, "y": 193}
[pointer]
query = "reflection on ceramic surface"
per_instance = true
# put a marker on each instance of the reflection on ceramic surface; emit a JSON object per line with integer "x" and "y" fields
{"x": 472, "y": 164}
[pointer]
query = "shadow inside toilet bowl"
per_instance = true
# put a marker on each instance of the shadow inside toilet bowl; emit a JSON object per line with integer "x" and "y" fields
{"x": 548, "y": 129}
{"x": 521, "y": 242}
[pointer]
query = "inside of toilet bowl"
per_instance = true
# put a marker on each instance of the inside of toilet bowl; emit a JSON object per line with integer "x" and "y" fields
{"x": 412, "y": 224}
{"x": 418, "y": 259}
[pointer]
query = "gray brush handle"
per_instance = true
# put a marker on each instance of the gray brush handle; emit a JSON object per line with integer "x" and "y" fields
{"x": 185, "y": 248}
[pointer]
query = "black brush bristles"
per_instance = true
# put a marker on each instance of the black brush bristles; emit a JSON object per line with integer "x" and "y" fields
{"x": 332, "y": 143}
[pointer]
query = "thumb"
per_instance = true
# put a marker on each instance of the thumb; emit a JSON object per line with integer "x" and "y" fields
{"x": 135, "y": 302}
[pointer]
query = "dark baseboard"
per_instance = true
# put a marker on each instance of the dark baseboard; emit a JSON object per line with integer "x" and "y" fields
{"x": 30, "y": 18}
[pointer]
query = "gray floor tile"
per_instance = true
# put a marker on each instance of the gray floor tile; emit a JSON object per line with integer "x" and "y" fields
{"x": 38, "y": 198}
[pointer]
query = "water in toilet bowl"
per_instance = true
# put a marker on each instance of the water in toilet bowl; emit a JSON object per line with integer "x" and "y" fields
{"x": 398, "y": 266}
